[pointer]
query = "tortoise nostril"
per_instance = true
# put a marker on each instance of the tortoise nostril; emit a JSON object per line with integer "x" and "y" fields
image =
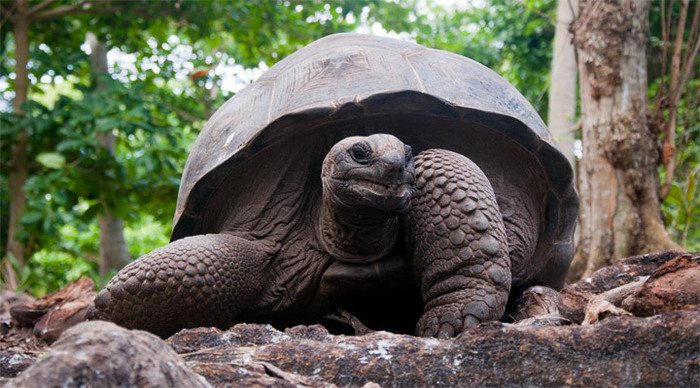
{"x": 394, "y": 166}
{"x": 395, "y": 171}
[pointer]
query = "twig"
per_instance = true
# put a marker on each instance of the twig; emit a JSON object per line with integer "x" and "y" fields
{"x": 607, "y": 301}
{"x": 39, "y": 7}
{"x": 678, "y": 46}
{"x": 538, "y": 12}
{"x": 82, "y": 7}
{"x": 7, "y": 14}
{"x": 675, "y": 88}
{"x": 665, "y": 31}
{"x": 689, "y": 59}
{"x": 688, "y": 69}
{"x": 695, "y": 24}
{"x": 182, "y": 113}
{"x": 292, "y": 378}
{"x": 349, "y": 319}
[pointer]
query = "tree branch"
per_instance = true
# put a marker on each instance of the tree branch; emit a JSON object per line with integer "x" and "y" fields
{"x": 60, "y": 11}
{"x": 85, "y": 6}
{"x": 692, "y": 35}
{"x": 665, "y": 31}
{"x": 675, "y": 89}
{"x": 538, "y": 12}
{"x": 183, "y": 114}
{"x": 39, "y": 7}
{"x": 694, "y": 25}
{"x": 687, "y": 70}
{"x": 8, "y": 13}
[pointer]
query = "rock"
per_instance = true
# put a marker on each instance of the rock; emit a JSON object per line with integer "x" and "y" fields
{"x": 19, "y": 347}
{"x": 574, "y": 298}
{"x": 245, "y": 372}
{"x": 614, "y": 348}
{"x": 537, "y": 301}
{"x": 13, "y": 362}
{"x": 102, "y": 354}
{"x": 673, "y": 286}
{"x": 662, "y": 350}
{"x": 53, "y": 314}
{"x": 243, "y": 334}
{"x": 256, "y": 374}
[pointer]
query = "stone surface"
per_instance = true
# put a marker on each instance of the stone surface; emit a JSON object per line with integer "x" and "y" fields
{"x": 661, "y": 351}
{"x": 102, "y": 354}
{"x": 574, "y": 298}
{"x": 19, "y": 347}
{"x": 53, "y": 314}
{"x": 673, "y": 286}
{"x": 12, "y": 362}
{"x": 536, "y": 301}
{"x": 612, "y": 350}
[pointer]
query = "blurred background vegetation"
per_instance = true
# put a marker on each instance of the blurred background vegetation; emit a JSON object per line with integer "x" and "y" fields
{"x": 172, "y": 63}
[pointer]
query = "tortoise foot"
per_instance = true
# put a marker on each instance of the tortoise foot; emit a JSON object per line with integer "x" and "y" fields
{"x": 206, "y": 280}
{"x": 458, "y": 245}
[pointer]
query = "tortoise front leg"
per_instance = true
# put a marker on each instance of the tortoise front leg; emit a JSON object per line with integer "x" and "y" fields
{"x": 457, "y": 244}
{"x": 206, "y": 280}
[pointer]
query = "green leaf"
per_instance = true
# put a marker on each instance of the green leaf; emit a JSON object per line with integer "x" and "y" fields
{"x": 91, "y": 212}
{"x": 106, "y": 124}
{"x": 31, "y": 217}
{"x": 51, "y": 160}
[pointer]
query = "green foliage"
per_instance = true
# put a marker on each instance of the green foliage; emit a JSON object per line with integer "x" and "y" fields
{"x": 681, "y": 208}
{"x": 145, "y": 235}
{"x": 49, "y": 270}
{"x": 72, "y": 168}
{"x": 75, "y": 254}
{"x": 68, "y": 259}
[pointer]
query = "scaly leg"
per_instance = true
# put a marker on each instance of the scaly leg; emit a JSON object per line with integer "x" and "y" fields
{"x": 206, "y": 280}
{"x": 457, "y": 244}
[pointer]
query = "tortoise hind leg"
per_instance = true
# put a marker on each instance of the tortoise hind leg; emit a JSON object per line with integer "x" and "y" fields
{"x": 205, "y": 280}
{"x": 457, "y": 244}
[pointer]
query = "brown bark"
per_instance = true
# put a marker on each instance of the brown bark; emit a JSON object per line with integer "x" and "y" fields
{"x": 562, "y": 88}
{"x": 620, "y": 214}
{"x": 18, "y": 160}
{"x": 114, "y": 253}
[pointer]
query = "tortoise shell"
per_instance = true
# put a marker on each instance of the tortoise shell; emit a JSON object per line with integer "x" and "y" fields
{"x": 265, "y": 145}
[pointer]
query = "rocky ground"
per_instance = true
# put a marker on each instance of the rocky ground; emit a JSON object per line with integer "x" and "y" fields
{"x": 631, "y": 324}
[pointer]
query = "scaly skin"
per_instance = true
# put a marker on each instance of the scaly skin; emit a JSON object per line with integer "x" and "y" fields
{"x": 207, "y": 280}
{"x": 458, "y": 245}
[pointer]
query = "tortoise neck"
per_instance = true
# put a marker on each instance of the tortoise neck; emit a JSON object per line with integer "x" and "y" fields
{"x": 356, "y": 237}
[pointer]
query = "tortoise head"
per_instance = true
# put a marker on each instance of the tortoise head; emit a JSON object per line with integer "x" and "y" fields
{"x": 369, "y": 175}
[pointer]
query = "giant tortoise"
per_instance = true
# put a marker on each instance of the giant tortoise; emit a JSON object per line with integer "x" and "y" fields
{"x": 301, "y": 197}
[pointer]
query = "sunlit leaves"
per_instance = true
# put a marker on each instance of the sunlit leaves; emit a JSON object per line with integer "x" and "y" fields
{"x": 51, "y": 160}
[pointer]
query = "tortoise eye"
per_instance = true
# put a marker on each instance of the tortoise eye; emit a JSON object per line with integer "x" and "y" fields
{"x": 360, "y": 152}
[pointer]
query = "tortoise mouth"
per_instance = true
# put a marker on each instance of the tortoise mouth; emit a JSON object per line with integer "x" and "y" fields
{"x": 375, "y": 185}
{"x": 367, "y": 192}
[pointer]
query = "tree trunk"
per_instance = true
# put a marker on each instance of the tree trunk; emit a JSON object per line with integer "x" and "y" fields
{"x": 114, "y": 253}
{"x": 562, "y": 88}
{"x": 18, "y": 159}
{"x": 618, "y": 182}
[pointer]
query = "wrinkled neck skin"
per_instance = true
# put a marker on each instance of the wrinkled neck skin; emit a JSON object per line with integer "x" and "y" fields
{"x": 355, "y": 236}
